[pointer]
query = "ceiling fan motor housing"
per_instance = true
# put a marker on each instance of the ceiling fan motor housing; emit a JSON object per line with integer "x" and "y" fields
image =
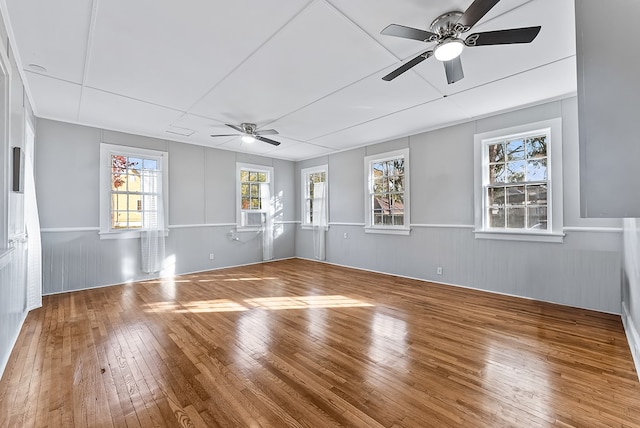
{"x": 445, "y": 25}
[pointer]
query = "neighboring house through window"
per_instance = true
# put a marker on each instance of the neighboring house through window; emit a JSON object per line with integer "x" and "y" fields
{"x": 314, "y": 196}
{"x": 133, "y": 189}
{"x": 387, "y": 192}
{"x": 519, "y": 182}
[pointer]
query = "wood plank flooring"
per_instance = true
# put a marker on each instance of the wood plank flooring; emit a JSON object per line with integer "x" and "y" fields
{"x": 305, "y": 344}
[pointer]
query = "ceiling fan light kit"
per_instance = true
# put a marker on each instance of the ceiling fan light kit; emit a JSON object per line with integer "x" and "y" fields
{"x": 446, "y": 30}
{"x": 249, "y": 133}
{"x": 448, "y": 49}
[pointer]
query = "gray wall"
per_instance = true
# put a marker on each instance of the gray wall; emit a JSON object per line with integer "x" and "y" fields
{"x": 201, "y": 209}
{"x": 608, "y": 94}
{"x": 13, "y": 251}
{"x": 584, "y": 271}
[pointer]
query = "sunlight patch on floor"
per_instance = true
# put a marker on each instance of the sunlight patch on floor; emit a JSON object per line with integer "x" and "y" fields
{"x": 270, "y": 303}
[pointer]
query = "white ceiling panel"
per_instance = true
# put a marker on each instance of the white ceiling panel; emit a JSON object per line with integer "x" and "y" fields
{"x": 170, "y": 55}
{"x": 550, "y": 81}
{"x": 56, "y": 99}
{"x": 302, "y": 151}
{"x": 311, "y": 69}
{"x": 319, "y": 52}
{"x": 407, "y": 122}
{"x": 52, "y": 34}
{"x": 363, "y": 101}
{"x": 115, "y": 112}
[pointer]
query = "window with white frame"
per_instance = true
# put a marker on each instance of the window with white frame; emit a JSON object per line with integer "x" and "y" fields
{"x": 519, "y": 182}
{"x": 314, "y": 195}
{"x": 387, "y": 192}
{"x": 133, "y": 190}
{"x": 253, "y": 195}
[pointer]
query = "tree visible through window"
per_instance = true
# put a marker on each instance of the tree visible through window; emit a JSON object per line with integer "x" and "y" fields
{"x": 517, "y": 183}
{"x": 251, "y": 189}
{"x": 387, "y": 192}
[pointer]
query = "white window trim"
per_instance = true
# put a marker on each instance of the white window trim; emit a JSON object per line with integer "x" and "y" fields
{"x": 389, "y": 230}
{"x": 553, "y": 128}
{"x": 106, "y": 150}
{"x": 303, "y": 175}
{"x": 257, "y": 168}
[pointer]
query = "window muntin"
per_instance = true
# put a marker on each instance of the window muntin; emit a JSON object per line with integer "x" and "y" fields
{"x": 313, "y": 180}
{"x": 516, "y": 183}
{"x": 387, "y": 192}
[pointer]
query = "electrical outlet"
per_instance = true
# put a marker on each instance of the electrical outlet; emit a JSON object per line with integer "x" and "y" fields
{"x": 439, "y": 270}
{"x": 346, "y": 235}
{"x": 212, "y": 256}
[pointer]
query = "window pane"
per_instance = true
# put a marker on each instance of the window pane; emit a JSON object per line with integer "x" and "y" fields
{"x": 253, "y": 176}
{"x": 134, "y": 163}
{"x": 536, "y": 147}
{"x": 244, "y": 190}
{"x": 496, "y": 217}
{"x": 119, "y": 182}
{"x": 515, "y": 171}
{"x": 118, "y": 202}
{"x": 246, "y": 204}
{"x": 119, "y": 219}
{"x": 515, "y": 217}
{"x": 515, "y": 150}
{"x": 150, "y": 164}
{"x": 496, "y": 153}
{"x": 377, "y": 219}
{"x": 381, "y": 185}
{"x": 378, "y": 169}
{"x": 255, "y": 204}
{"x": 537, "y": 194}
{"x": 262, "y": 177}
{"x": 537, "y": 170}
{"x": 244, "y": 176}
{"x": 398, "y": 220}
{"x": 149, "y": 203}
{"x": 496, "y": 196}
{"x": 537, "y": 218}
{"x": 255, "y": 190}
{"x": 133, "y": 202}
{"x": 515, "y": 195}
{"x": 497, "y": 173}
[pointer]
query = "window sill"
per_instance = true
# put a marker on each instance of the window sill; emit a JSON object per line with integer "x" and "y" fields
{"x": 125, "y": 234}
{"x": 388, "y": 231}
{"x": 510, "y": 235}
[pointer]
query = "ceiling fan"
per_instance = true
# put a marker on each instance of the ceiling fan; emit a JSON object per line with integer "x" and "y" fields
{"x": 250, "y": 133}
{"x": 446, "y": 30}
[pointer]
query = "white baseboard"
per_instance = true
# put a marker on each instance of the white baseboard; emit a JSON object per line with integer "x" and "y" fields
{"x": 632, "y": 337}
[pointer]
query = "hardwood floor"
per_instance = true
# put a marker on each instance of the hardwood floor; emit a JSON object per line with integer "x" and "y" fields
{"x": 300, "y": 343}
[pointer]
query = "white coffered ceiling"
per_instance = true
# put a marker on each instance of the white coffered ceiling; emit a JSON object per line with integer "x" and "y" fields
{"x": 309, "y": 68}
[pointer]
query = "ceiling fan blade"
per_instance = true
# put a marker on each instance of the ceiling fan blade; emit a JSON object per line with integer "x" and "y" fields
{"x": 267, "y": 140}
{"x": 267, "y": 132}
{"x": 405, "y": 67}
{"x": 453, "y": 70}
{"x": 474, "y": 13}
{"x": 409, "y": 33}
{"x": 224, "y": 135}
{"x": 503, "y": 37}
{"x": 237, "y": 128}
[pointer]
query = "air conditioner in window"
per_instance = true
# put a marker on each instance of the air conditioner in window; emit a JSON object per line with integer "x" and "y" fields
{"x": 254, "y": 219}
